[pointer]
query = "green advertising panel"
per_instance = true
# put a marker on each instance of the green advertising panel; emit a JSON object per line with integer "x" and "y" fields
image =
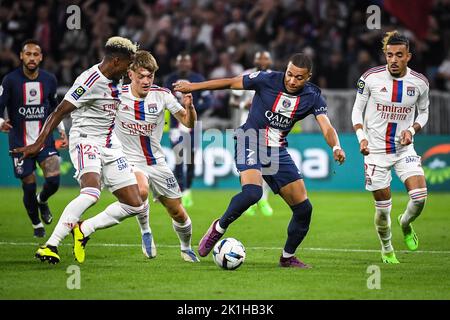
{"x": 215, "y": 164}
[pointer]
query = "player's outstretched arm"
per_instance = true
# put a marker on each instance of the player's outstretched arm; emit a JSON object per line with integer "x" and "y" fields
{"x": 63, "y": 109}
{"x": 216, "y": 84}
{"x": 331, "y": 137}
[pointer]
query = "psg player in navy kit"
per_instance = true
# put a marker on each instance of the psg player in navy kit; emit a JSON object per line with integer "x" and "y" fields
{"x": 29, "y": 96}
{"x": 280, "y": 100}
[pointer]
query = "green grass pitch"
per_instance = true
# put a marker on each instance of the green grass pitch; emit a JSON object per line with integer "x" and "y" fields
{"x": 341, "y": 245}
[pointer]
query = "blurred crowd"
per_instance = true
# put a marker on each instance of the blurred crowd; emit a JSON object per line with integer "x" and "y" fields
{"x": 222, "y": 36}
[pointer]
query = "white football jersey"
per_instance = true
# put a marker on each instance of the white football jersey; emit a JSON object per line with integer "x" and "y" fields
{"x": 96, "y": 99}
{"x": 140, "y": 123}
{"x": 390, "y": 104}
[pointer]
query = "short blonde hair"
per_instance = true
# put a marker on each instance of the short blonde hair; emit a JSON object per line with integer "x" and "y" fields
{"x": 121, "y": 44}
{"x": 394, "y": 37}
{"x": 144, "y": 59}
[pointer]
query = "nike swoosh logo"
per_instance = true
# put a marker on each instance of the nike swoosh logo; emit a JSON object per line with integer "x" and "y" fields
{"x": 52, "y": 153}
{"x": 29, "y": 100}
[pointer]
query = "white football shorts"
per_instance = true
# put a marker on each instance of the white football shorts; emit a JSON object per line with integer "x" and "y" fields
{"x": 89, "y": 155}
{"x": 377, "y": 168}
{"x": 161, "y": 179}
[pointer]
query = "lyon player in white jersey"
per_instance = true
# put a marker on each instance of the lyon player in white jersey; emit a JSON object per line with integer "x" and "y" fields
{"x": 390, "y": 95}
{"x": 139, "y": 126}
{"x": 95, "y": 151}
{"x": 242, "y": 99}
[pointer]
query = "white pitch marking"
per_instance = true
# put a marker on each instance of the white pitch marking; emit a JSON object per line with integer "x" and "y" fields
{"x": 4, "y": 243}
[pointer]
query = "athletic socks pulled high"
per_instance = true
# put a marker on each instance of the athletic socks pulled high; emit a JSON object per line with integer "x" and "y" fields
{"x": 298, "y": 227}
{"x": 250, "y": 194}
{"x": 50, "y": 187}
{"x": 30, "y": 202}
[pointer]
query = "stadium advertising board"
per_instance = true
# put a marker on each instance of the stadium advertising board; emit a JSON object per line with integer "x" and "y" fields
{"x": 309, "y": 151}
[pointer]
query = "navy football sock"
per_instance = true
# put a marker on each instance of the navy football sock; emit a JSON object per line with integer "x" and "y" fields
{"x": 298, "y": 226}
{"x": 51, "y": 185}
{"x": 30, "y": 202}
{"x": 250, "y": 194}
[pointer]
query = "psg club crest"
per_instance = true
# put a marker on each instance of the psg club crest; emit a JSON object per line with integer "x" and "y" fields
{"x": 19, "y": 170}
{"x": 286, "y": 104}
{"x": 33, "y": 92}
{"x": 411, "y": 91}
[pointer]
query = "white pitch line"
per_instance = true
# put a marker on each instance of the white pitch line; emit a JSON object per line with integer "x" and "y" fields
{"x": 4, "y": 243}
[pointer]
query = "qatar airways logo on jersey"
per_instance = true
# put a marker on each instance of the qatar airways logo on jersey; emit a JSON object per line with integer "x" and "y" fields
{"x": 136, "y": 129}
{"x": 277, "y": 120}
{"x": 393, "y": 112}
{"x": 32, "y": 112}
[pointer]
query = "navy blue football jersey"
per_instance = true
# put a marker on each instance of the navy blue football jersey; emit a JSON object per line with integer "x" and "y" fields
{"x": 28, "y": 104}
{"x": 274, "y": 110}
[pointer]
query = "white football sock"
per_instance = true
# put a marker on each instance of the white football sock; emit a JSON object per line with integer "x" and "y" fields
{"x": 219, "y": 228}
{"x": 143, "y": 220}
{"x": 39, "y": 225}
{"x": 415, "y": 206}
{"x": 72, "y": 214}
{"x": 184, "y": 233}
{"x": 383, "y": 224}
{"x": 112, "y": 215}
{"x": 287, "y": 255}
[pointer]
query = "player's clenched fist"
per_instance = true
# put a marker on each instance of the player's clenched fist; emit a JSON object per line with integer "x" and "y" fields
{"x": 188, "y": 100}
{"x": 364, "y": 147}
{"x": 339, "y": 156}
{"x": 405, "y": 138}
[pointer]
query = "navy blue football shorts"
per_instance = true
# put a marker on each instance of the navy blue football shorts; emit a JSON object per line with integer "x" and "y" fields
{"x": 27, "y": 166}
{"x": 275, "y": 163}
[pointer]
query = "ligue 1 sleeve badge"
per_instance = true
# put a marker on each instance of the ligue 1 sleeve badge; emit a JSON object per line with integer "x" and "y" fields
{"x": 360, "y": 85}
{"x": 78, "y": 92}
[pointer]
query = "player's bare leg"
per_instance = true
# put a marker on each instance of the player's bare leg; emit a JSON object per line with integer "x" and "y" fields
{"x": 143, "y": 219}
{"x": 382, "y": 220}
{"x": 89, "y": 195}
{"x": 31, "y": 205}
{"x": 417, "y": 190}
{"x": 182, "y": 225}
{"x": 50, "y": 168}
{"x": 251, "y": 181}
{"x": 294, "y": 194}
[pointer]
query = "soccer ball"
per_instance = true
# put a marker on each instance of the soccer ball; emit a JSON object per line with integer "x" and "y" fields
{"x": 229, "y": 253}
